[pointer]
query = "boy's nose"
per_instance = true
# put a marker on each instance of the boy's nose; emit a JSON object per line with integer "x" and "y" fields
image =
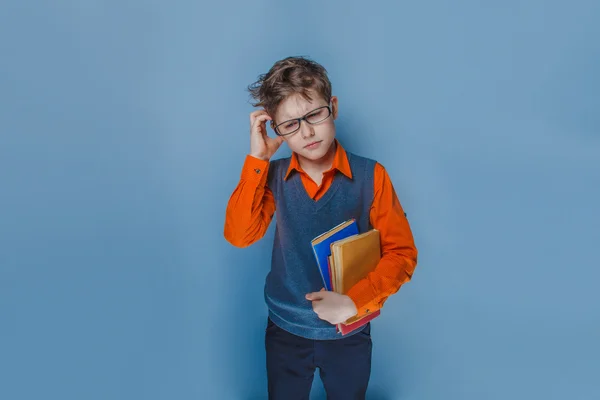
{"x": 306, "y": 130}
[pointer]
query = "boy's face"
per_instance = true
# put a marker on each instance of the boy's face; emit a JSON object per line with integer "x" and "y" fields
{"x": 311, "y": 141}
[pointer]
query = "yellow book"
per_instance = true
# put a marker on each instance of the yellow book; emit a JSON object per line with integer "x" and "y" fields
{"x": 352, "y": 259}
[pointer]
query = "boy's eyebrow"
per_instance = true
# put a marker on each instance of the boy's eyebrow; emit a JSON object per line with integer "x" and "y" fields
{"x": 286, "y": 117}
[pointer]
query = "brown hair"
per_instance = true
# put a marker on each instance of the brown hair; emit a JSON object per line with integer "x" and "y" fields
{"x": 289, "y": 76}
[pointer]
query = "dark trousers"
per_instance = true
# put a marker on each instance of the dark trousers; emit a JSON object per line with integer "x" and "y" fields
{"x": 344, "y": 364}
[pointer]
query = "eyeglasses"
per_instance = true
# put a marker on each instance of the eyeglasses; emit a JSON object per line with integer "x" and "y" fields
{"x": 313, "y": 117}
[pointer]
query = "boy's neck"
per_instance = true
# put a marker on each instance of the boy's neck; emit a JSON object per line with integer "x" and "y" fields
{"x": 321, "y": 165}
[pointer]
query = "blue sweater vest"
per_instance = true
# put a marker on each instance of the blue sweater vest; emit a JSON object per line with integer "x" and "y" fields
{"x": 299, "y": 219}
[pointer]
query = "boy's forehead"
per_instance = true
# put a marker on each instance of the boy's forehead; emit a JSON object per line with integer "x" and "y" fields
{"x": 296, "y": 105}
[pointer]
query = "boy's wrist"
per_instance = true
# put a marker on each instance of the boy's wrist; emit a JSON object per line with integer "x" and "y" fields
{"x": 259, "y": 157}
{"x": 351, "y": 306}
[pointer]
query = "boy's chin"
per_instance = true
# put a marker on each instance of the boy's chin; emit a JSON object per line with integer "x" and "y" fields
{"x": 313, "y": 155}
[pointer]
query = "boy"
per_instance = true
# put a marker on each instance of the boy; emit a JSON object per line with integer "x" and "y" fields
{"x": 318, "y": 187}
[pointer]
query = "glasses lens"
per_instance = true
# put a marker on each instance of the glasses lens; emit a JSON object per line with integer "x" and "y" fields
{"x": 287, "y": 127}
{"x": 318, "y": 115}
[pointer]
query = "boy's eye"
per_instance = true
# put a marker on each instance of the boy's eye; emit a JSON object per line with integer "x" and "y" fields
{"x": 317, "y": 115}
{"x": 291, "y": 125}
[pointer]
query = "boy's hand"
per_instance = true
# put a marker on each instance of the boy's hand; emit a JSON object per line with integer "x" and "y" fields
{"x": 333, "y": 307}
{"x": 261, "y": 145}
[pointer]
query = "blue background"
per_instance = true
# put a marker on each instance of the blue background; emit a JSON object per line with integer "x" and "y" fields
{"x": 123, "y": 129}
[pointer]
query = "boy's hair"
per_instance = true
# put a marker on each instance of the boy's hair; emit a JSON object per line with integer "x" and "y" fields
{"x": 289, "y": 76}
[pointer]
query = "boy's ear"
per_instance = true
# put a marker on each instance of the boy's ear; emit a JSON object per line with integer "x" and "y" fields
{"x": 334, "y": 106}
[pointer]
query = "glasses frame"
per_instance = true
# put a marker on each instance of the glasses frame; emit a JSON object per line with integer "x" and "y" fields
{"x": 275, "y": 127}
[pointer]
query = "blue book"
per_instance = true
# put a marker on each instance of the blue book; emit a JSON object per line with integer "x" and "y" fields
{"x": 322, "y": 246}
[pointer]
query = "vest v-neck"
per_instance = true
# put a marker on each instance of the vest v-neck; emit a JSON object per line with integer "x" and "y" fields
{"x": 317, "y": 204}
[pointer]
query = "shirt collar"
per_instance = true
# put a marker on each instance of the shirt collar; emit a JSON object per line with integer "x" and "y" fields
{"x": 340, "y": 162}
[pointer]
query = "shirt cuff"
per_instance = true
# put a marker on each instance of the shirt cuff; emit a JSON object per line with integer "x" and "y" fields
{"x": 255, "y": 170}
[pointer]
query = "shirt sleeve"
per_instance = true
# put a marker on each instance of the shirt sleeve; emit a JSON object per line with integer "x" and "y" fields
{"x": 251, "y": 206}
{"x": 399, "y": 254}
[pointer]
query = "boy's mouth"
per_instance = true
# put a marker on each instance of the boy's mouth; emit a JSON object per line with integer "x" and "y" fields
{"x": 312, "y": 145}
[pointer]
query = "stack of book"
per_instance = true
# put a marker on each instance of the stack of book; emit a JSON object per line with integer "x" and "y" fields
{"x": 344, "y": 257}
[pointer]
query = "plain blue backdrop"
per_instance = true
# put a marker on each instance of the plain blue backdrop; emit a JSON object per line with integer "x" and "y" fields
{"x": 123, "y": 130}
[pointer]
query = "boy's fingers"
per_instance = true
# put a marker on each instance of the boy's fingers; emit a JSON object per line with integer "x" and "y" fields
{"x": 257, "y": 113}
{"x": 260, "y": 119}
{"x": 254, "y": 115}
{"x": 315, "y": 295}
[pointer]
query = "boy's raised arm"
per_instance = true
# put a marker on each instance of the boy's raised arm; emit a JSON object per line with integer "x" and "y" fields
{"x": 251, "y": 206}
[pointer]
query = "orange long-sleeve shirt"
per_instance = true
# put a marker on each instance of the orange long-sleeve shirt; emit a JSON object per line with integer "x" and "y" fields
{"x": 251, "y": 208}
